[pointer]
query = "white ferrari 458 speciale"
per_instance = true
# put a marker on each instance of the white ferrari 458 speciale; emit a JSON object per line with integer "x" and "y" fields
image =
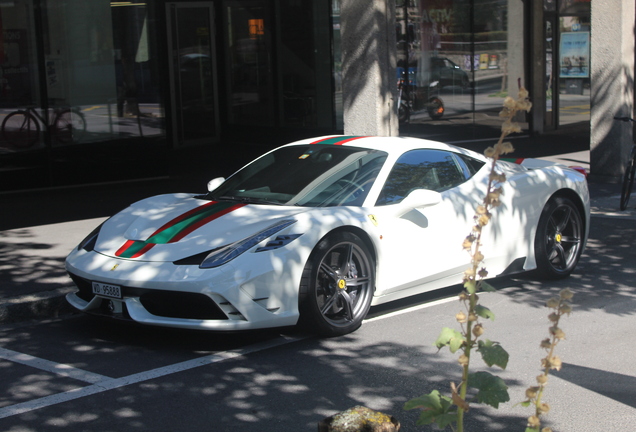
{"x": 317, "y": 231}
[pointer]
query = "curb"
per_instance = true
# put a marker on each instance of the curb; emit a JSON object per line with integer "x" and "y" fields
{"x": 48, "y": 304}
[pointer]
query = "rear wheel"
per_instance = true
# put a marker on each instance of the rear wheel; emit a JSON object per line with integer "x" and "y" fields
{"x": 337, "y": 285}
{"x": 559, "y": 240}
{"x": 435, "y": 108}
{"x": 628, "y": 181}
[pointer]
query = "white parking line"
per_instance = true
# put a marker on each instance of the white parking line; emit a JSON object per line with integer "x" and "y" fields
{"x": 106, "y": 383}
{"x": 412, "y": 309}
{"x": 49, "y": 366}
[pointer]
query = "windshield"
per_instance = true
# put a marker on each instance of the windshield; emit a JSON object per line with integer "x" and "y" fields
{"x": 310, "y": 175}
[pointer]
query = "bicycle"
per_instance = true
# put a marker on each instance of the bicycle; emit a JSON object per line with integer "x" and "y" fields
{"x": 628, "y": 176}
{"x": 21, "y": 128}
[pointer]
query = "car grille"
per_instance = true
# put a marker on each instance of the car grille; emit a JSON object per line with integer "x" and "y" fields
{"x": 169, "y": 304}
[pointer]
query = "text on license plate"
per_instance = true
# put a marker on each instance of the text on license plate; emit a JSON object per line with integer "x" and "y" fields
{"x": 106, "y": 290}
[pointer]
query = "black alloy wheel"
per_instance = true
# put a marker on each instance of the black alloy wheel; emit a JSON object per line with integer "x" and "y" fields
{"x": 559, "y": 240}
{"x": 337, "y": 285}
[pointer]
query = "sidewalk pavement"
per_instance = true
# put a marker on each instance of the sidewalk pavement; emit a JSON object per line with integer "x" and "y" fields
{"x": 39, "y": 228}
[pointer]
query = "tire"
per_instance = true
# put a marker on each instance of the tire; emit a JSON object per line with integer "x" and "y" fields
{"x": 20, "y": 129}
{"x": 435, "y": 108}
{"x": 559, "y": 239}
{"x": 628, "y": 181}
{"x": 337, "y": 285}
{"x": 69, "y": 126}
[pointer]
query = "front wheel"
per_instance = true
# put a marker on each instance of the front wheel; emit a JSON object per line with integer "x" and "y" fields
{"x": 337, "y": 285}
{"x": 404, "y": 113}
{"x": 69, "y": 126}
{"x": 628, "y": 180}
{"x": 559, "y": 240}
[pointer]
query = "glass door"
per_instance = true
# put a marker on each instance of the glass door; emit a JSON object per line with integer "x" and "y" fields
{"x": 551, "y": 84}
{"x": 193, "y": 72}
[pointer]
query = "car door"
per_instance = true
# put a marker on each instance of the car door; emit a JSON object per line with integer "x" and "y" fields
{"x": 424, "y": 245}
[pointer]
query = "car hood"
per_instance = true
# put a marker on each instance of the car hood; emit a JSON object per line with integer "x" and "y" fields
{"x": 176, "y": 226}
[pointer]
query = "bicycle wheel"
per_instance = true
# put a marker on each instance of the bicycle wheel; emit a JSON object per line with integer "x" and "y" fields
{"x": 628, "y": 180}
{"x": 69, "y": 126}
{"x": 20, "y": 129}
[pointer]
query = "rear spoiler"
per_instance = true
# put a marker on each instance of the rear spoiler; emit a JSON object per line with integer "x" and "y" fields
{"x": 540, "y": 163}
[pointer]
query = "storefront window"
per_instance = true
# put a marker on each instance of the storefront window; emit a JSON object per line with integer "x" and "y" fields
{"x": 248, "y": 65}
{"x": 464, "y": 53}
{"x": 98, "y": 63}
{"x": 574, "y": 69}
{"x": 101, "y": 62}
{"x": 19, "y": 85}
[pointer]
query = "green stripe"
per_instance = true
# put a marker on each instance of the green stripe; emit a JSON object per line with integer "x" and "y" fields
{"x": 166, "y": 235}
{"x": 336, "y": 140}
{"x": 133, "y": 249}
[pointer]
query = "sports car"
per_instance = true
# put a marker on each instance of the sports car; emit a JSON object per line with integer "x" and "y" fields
{"x": 316, "y": 232}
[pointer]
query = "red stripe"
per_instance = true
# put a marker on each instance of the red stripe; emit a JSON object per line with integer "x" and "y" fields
{"x": 126, "y": 245}
{"x": 143, "y": 250}
{"x": 324, "y": 139}
{"x": 519, "y": 161}
{"x": 204, "y": 221}
{"x": 182, "y": 217}
{"x": 339, "y": 142}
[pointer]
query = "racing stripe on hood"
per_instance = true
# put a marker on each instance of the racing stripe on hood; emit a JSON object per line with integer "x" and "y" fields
{"x": 178, "y": 228}
{"x": 337, "y": 140}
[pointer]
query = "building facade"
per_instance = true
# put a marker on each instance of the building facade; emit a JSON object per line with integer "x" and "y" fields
{"x": 119, "y": 90}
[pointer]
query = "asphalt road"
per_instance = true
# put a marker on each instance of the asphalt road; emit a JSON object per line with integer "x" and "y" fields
{"x": 84, "y": 374}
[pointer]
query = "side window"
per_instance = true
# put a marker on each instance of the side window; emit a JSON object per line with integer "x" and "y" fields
{"x": 472, "y": 165}
{"x": 422, "y": 169}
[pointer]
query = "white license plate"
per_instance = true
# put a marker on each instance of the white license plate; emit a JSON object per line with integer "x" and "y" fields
{"x": 106, "y": 290}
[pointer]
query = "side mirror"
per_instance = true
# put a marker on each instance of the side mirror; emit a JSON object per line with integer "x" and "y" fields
{"x": 417, "y": 199}
{"x": 215, "y": 183}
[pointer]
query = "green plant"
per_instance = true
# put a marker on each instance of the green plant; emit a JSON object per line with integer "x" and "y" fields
{"x": 534, "y": 394}
{"x": 487, "y": 388}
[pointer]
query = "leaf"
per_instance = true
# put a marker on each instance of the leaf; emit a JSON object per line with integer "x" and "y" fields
{"x": 485, "y": 286}
{"x": 450, "y": 337}
{"x": 484, "y": 312}
{"x": 470, "y": 286}
{"x": 435, "y": 408}
{"x": 492, "y": 390}
{"x": 431, "y": 401}
{"x": 529, "y": 429}
{"x": 493, "y": 354}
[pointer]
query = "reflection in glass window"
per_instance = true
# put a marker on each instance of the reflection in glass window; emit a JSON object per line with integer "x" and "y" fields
{"x": 101, "y": 64}
{"x": 19, "y": 88}
{"x": 423, "y": 169}
{"x": 250, "y": 93}
{"x": 458, "y": 51}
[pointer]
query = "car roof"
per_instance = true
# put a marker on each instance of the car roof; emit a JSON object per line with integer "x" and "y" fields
{"x": 391, "y": 145}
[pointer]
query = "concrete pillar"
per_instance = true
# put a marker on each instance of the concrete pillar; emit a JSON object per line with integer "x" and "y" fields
{"x": 537, "y": 67}
{"x": 369, "y": 84}
{"x": 612, "y": 86}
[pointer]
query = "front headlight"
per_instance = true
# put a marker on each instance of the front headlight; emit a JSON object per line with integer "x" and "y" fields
{"x": 88, "y": 244}
{"x": 225, "y": 254}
